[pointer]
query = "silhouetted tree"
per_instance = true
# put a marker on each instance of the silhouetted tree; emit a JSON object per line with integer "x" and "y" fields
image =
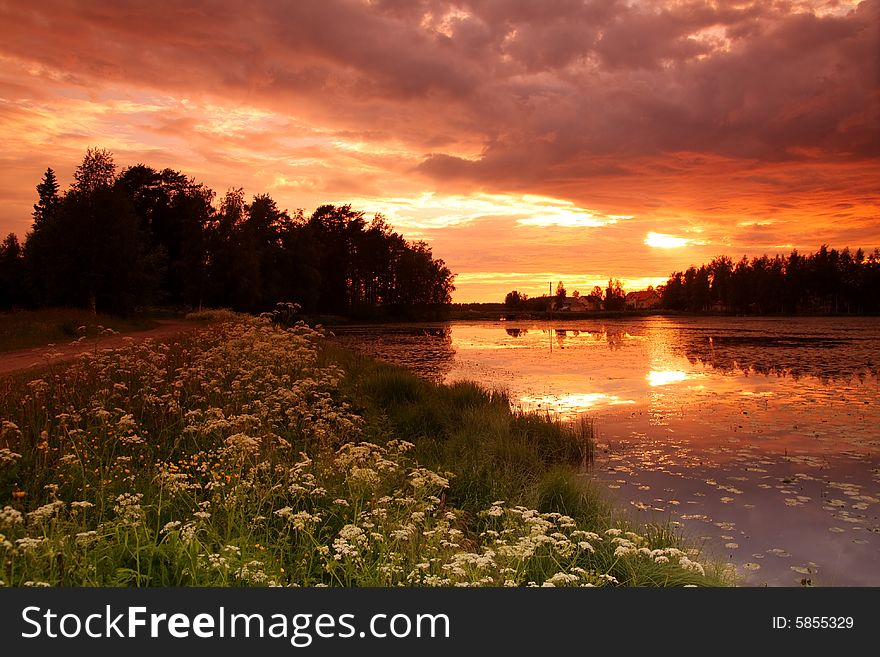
{"x": 596, "y": 295}
{"x": 514, "y": 299}
{"x": 112, "y": 243}
{"x": 720, "y": 272}
{"x": 615, "y": 297}
{"x": 12, "y": 290}
{"x": 173, "y": 212}
{"x": 96, "y": 256}
{"x": 96, "y": 171}
{"x": 48, "y": 201}
{"x": 336, "y": 230}
{"x": 828, "y": 281}
{"x": 673, "y": 296}
{"x": 38, "y": 247}
{"x": 560, "y": 294}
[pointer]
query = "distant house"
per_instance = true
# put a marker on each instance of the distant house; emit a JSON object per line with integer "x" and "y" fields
{"x": 642, "y": 300}
{"x": 584, "y": 304}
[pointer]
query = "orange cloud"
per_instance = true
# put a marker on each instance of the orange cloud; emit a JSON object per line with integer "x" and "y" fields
{"x": 515, "y": 137}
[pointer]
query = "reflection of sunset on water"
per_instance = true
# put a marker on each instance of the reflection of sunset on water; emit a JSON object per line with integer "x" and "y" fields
{"x": 664, "y": 378}
{"x": 573, "y": 402}
{"x": 754, "y": 433}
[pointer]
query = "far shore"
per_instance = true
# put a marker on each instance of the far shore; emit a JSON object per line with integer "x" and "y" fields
{"x": 497, "y": 312}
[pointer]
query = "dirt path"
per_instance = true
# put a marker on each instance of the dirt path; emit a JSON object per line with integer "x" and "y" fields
{"x": 35, "y": 357}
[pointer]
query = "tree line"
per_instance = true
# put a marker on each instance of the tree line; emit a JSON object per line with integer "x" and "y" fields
{"x": 115, "y": 242}
{"x": 613, "y": 297}
{"x": 826, "y": 282}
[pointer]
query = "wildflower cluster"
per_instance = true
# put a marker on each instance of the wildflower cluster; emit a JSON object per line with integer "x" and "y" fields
{"x": 232, "y": 458}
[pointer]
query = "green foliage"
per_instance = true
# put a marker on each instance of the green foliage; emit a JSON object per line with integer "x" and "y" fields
{"x": 563, "y": 490}
{"x": 496, "y": 453}
{"x": 243, "y": 455}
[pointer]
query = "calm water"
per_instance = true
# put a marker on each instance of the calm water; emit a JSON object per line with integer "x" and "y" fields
{"x": 761, "y": 437}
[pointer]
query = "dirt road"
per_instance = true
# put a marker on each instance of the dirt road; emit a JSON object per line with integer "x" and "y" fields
{"x": 35, "y": 357}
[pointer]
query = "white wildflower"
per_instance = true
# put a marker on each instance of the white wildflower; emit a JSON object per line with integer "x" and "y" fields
{"x": 128, "y": 508}
{"x": 28, "y": 543}
{"x": 687, "y": 564}
{"x": 7, "y": 456}
{"x": 84, "y": 538}
{"x": 10, "y": 517}
{"x": 170, "y": 526}
{"x": 46, "y": 511}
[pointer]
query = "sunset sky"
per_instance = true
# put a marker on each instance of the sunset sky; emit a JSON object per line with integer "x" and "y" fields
{"x": 526, "y": 141}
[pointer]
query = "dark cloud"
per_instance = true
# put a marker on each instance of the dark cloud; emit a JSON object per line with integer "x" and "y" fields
{"x": 694, "y": 112}
{"x": 740, "y": 79}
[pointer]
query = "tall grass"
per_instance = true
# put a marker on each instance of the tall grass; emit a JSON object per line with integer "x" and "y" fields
{"x": 31, "y": 328}
{"x": 493, "y": 452}
{"x": 245, "y": 454}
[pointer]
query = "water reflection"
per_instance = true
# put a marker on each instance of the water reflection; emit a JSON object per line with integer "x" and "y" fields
{"x": 823, "y": 355}
{"x": 759, "y": 435}
{"x": 613, "y": 338}
{"x": 664, "y": 378}
{"x": 427, "y": 350}
{"x": 576, "y": 402}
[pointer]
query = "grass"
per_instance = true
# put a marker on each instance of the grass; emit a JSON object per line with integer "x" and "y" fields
{"x": 244, "y": 454}
{"x": 493, "y": 453}
{"x": 211, "y": 315}
{"x": 33, "y": 328}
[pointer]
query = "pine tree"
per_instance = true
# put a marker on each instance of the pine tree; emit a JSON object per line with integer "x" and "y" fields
{"x": 48, "y": 199}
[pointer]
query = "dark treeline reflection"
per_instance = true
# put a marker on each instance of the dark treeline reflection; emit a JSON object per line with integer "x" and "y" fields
{"x": 116, "y": 241}
{"x": 824, "y": 358}
{"x": 828, "y": 281}
{"x": 824, "y": 351}
{"x": 611, "y": 336}
{"x": 425, "y": 350}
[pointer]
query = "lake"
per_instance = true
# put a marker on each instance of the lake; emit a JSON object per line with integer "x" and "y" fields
{"x": 758, "y": 437}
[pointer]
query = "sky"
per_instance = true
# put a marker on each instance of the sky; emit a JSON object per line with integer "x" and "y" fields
{"x": 527, "y": 142}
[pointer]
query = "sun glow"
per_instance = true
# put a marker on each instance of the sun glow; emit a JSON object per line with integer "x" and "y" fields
{"x": 430, "y": 210}
{"x": 663, "y": 378}
{"x": 663, "y": 241}
{"x": 574, "y": 401}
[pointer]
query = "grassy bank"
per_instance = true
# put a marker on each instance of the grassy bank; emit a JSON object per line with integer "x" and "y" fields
{"x": 243, "y": 454}
{"x": 35, "y": 328}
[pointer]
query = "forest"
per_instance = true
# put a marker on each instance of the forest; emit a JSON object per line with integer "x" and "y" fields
{"x": 828, "y": 282}
{"x": 825, "y": 282}
{"x": 116, "y": 242}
